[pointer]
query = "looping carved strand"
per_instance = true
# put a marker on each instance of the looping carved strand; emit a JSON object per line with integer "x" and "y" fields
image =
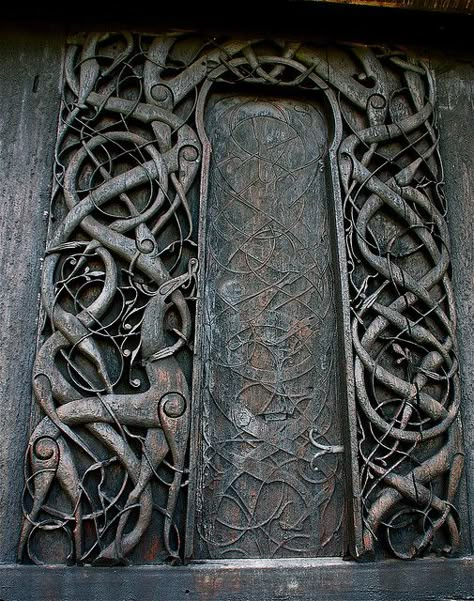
{"x": 403, "y": 325}
{"x": 119, "y": 270}
{"x": 107, "y": 463}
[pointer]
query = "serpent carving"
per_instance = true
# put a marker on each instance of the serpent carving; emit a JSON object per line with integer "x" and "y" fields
{"x": 112, "y": 454}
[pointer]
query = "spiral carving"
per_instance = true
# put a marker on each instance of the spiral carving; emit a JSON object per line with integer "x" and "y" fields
{"x": 118, "y": 286}
{"x": 108, "y": 461}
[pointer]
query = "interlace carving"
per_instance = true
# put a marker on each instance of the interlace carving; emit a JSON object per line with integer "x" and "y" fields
{"x": 272, "y": 487}
{"x": 118, "y": 286}
{"x": 402, "y": 313}
{"x": 109, "y": 459}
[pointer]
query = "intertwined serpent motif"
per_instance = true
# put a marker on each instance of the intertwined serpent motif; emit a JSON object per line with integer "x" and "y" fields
{"x": 108, "y": 463}
{"x": 118, "y": 285}
{"x": 402, "y": 313}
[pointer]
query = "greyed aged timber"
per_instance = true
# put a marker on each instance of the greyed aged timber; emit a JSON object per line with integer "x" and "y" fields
{"x": 271, "y": 488}
{"x": 321, "y": 354}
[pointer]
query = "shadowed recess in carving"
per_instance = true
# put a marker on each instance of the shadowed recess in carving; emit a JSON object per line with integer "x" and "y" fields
{"x": 107, "y": 463}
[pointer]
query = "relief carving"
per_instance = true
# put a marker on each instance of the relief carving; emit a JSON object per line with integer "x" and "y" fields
{"x": 117, "y": 434}
{"x": 270, "y": 487}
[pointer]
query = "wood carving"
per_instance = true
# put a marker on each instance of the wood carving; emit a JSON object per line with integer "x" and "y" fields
{"x": 270, "y": 487}
{"x": 128, "y": 442}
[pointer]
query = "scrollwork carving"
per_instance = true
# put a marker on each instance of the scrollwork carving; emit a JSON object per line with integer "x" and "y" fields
{"x": 108, "y": 461}
{"x": 403, "y": 317}
{"x": 118, "y": 286}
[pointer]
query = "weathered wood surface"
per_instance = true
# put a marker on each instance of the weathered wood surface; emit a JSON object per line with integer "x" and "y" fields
{"x": 75, "y": 406}
{"x": 270, "y": 393}
{"x": 30, "y": 64}
{"x": 456, "y": 112}
{"x": 249, "y": 580}
{"x": 29, "y": 112}
{"x": 112, "y": 451}
{"x": 444, "y": 6}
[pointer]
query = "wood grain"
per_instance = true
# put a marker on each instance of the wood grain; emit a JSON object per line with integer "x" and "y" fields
{"x": 249, "y": 580}
{"x": 30, "y": 64}
{"x": 456, "y": 104}
{"x": 443, "y": 6}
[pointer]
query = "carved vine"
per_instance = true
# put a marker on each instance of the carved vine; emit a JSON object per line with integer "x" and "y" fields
{"x": 107, "y": 464}
{"x": 402, "y": 312}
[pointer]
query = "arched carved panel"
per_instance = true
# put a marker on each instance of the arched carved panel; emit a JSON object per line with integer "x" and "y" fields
{"x": 271, "y": 390}
{"x": 113, "y": 466}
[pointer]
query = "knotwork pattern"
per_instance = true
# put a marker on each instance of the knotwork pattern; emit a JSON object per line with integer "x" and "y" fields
{"x": 402, "y": 311}
{"x": 271, "y": 486}
{"x": 107, "y": 463}
{"x": 109, "y": 459}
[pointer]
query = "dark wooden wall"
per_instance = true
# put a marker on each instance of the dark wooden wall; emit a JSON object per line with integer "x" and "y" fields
{"x": 30, "y": 71}
{"x": 30, "y": 67}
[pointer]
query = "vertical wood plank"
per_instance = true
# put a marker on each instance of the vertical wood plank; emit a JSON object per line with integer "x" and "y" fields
{"x": 30, "y": 68}
{"x": 456, "y": 114}
{"x": 271, "y": 485}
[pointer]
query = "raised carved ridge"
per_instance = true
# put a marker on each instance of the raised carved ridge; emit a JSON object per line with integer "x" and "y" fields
{"x": 107, "y": 464}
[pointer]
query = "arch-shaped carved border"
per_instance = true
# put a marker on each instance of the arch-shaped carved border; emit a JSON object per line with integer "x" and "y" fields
{"x": 112, "y": 376}
{"x": 301, "y": 79}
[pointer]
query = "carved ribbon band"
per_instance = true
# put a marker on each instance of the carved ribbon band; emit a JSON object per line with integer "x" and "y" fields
{"x": 108, "y": 463}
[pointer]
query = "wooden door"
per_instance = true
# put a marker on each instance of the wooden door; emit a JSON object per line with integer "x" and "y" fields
{"x": 271, "y": 389}
{"x": 248, "y": 347}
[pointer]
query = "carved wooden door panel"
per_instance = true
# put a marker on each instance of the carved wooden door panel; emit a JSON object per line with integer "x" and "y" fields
{"x": 270, "y": 390}
{"x": 248, "y": 345}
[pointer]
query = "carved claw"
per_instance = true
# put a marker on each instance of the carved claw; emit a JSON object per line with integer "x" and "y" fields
{"x": 324, "y": 449}
{"x": 166, "y": 352}
{"x": 44, "y": 457}
{"x": 183, "y": 280}
{"x": 175, "y": 421}
{"x": 170, "y": 350}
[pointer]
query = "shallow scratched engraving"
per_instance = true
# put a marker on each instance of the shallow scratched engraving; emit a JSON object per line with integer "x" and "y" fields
{"x": 270, "y": 396}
